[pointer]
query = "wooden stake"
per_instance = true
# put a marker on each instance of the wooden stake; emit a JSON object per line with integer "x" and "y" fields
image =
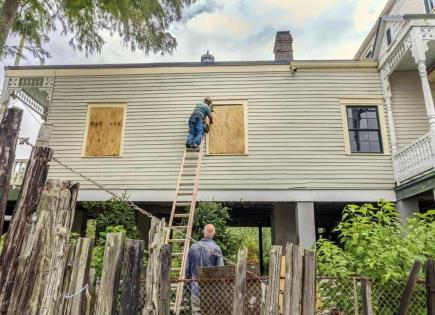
{"x": 107, "y": 293}
{"x": 75, "y": 295}
{"x": 240, "y": 282}
{"x": 296, "y": 283}
{"x": 430, "y": 286}
{"x": 409, "y": 289}
{"x": 38, "y": 281}
{"x": 309, "y": 284}
{"x": 31, "y": 190}
{"x": 133, "y": 256}
{"x": 366, "y": 292}
{"x": 165, "y": 289}
{"x": 9, "y": 128}
{"x": 272, "y": 294}
{"x": 288, "y": 278}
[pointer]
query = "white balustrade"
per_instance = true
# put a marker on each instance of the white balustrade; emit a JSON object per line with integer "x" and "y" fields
{"x": 414, "y": 159}
{"x": 18, "y": 171}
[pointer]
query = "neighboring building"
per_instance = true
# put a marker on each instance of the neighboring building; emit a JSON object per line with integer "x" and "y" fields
{"x": 293, "y": 141}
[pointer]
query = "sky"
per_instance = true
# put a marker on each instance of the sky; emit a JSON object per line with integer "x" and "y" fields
{"x": 235, "y": 30}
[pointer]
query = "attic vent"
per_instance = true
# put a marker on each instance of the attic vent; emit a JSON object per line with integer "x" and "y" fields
{"x": 207, "y": 58}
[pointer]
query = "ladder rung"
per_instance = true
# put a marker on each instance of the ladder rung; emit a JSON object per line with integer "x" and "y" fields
{"x": 186, "y": 184}
{"x": 190, "y": 165}
{"x": 177, "y": 240}
{"x": 183, "y": 204}
{"x": 185, "y": 193}
{"x": 177, "y": 254}
{"x": 179, "y": 227}
{"x": 181, "y": 215}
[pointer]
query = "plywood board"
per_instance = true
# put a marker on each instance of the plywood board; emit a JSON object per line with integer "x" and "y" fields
{"x": 104, "y": 131}
{"x": 227, "y": 135}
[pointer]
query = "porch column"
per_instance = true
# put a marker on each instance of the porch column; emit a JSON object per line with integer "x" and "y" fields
{"x": 306, "y": 223}
{"x": 386, "y": 88}
{"x": 284, "y": 228}
{"x": 418, "y": 49}
{"x": 407, "y": 207}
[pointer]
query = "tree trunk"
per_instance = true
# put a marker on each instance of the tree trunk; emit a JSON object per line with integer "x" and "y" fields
{"x": 7, "y": 14}
{"x": 9, "y": 128}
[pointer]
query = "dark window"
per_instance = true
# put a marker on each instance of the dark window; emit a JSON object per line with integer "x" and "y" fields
{"x": 369, "y": 54}
{"x": 389, "y": 36}
{"x": 364, "y": 129}
{"x": 429, "y": 4}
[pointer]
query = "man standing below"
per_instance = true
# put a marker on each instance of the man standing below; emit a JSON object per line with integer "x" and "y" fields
{"x": 205, "y": 253}
{"x": 196, "y": 123}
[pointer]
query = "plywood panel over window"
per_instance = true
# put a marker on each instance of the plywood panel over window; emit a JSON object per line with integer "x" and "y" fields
{"x": 228, "y": 133}
{"x": 104, "y": 129}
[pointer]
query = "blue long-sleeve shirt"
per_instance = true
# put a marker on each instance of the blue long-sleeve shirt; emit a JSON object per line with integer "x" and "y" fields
{"x": 200, "y": 256}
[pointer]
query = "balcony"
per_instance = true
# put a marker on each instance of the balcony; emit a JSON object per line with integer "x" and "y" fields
{"x": 414, "y": 160}
{"x": 18, "y": 171}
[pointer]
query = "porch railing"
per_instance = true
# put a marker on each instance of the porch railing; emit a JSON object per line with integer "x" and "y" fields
{"x": 414, "y": 159}
{"x": 18, "y": 172}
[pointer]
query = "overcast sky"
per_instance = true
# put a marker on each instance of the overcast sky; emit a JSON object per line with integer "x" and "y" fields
{"x": 245, "y": 30}
{"x": 237, "y": 30}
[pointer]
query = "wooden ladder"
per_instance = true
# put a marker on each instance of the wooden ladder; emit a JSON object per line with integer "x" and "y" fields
{"x": 182, "y": 214}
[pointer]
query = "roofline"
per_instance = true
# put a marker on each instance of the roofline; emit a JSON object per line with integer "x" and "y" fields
{"x": 372, "y": 32}
{"x": 186, "y": 64}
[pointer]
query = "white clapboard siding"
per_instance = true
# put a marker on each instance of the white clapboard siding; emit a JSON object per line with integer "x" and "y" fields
{"x": 295, "y": 135}
{"x": 409, "y": 111}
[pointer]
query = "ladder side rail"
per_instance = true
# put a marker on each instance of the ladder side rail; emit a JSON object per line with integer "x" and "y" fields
{"x": 171, "y": 219}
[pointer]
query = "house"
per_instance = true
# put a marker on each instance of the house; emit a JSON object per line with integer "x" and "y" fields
{"x": 293, "y": 140}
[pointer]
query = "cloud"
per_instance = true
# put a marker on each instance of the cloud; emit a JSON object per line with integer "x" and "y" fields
{"x": 198, "y": 8}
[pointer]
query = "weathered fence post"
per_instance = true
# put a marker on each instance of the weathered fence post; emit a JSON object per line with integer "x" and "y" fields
{"x": 90, "y": 293}
{"x": 10, "y": 123}
{"x": 293, "y": 280}
{"x": 133, "y": 255}
{"x": 66, "y": 277}
{"x": 38, "y": 280}
{"x": 165, "y": 289}
{"x": 153, "y": 273}
{"x": 430, "y": 286}
{"x": 75, "y": 294}
{"x": 111, "y": 271}
{"x": 240, "y": 282}
{"x": 309, "y": 284}
{"x": 272, "y": 294}
{"x": 31, "y": 190}
{"x": 409, "y": 289}
{"x": 366, "y": 293}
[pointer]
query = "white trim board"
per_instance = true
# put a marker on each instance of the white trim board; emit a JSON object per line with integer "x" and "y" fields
{"x": 327, "y": 195}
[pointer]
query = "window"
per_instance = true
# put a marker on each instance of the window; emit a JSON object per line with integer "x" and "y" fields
{"x": 104, "y": 130}
{"x": 228, "y": 134}
{"x": 369, "y": 54}
{"x": 389, "y": 38}
{"x": 429, "y": 5}
{"x": 364, "y": 129}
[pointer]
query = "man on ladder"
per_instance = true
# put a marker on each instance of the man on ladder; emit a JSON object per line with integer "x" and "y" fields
{"x": 196, "y": 123}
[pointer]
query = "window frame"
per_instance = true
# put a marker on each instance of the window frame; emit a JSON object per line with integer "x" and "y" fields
{"x": 364, "y": 102}
{"x": 227, "y": 102}
{"x": 429, "y": 5}
{"x": 88, "y": 117}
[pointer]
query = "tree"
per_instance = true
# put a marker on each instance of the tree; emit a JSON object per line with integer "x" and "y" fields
{"x": 141, "y": 24}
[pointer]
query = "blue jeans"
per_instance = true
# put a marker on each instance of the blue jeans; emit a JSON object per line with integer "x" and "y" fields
{"x": 196, "y": 130}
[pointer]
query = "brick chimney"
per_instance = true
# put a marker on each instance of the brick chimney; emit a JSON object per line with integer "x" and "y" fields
{"x": 283, "y": 49}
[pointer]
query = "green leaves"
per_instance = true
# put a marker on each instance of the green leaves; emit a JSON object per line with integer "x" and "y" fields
{"x": 373, "y": 243}
{"x": 140, "y": 24}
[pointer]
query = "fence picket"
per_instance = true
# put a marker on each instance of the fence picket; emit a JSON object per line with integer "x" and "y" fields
{"x": 31, "y": 190}
{"x": 430, "y": 286}
{"x": 366, "y": 293}
{"x": 309, "y": 284}
{"x": 409, "y": 289}
{"x": 134, "y": 250}
{"x": 272, "y": 293}
{"x": 296, "y": 284}
{"x": 240, "y": 282}
{"x": 107, "y": 293}
{"x": 165, "y": 289}
{"x": 10, "y": 121}
{"x": 79, "y": 278}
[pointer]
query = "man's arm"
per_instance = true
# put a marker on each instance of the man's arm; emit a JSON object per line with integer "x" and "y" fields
{"x": 220, "y": 259}
{"x": 209, "y": 115}
{"x": 188, "y": 270}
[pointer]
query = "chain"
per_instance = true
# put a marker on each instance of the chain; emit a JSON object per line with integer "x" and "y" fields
{"x": 124, "y": 199}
